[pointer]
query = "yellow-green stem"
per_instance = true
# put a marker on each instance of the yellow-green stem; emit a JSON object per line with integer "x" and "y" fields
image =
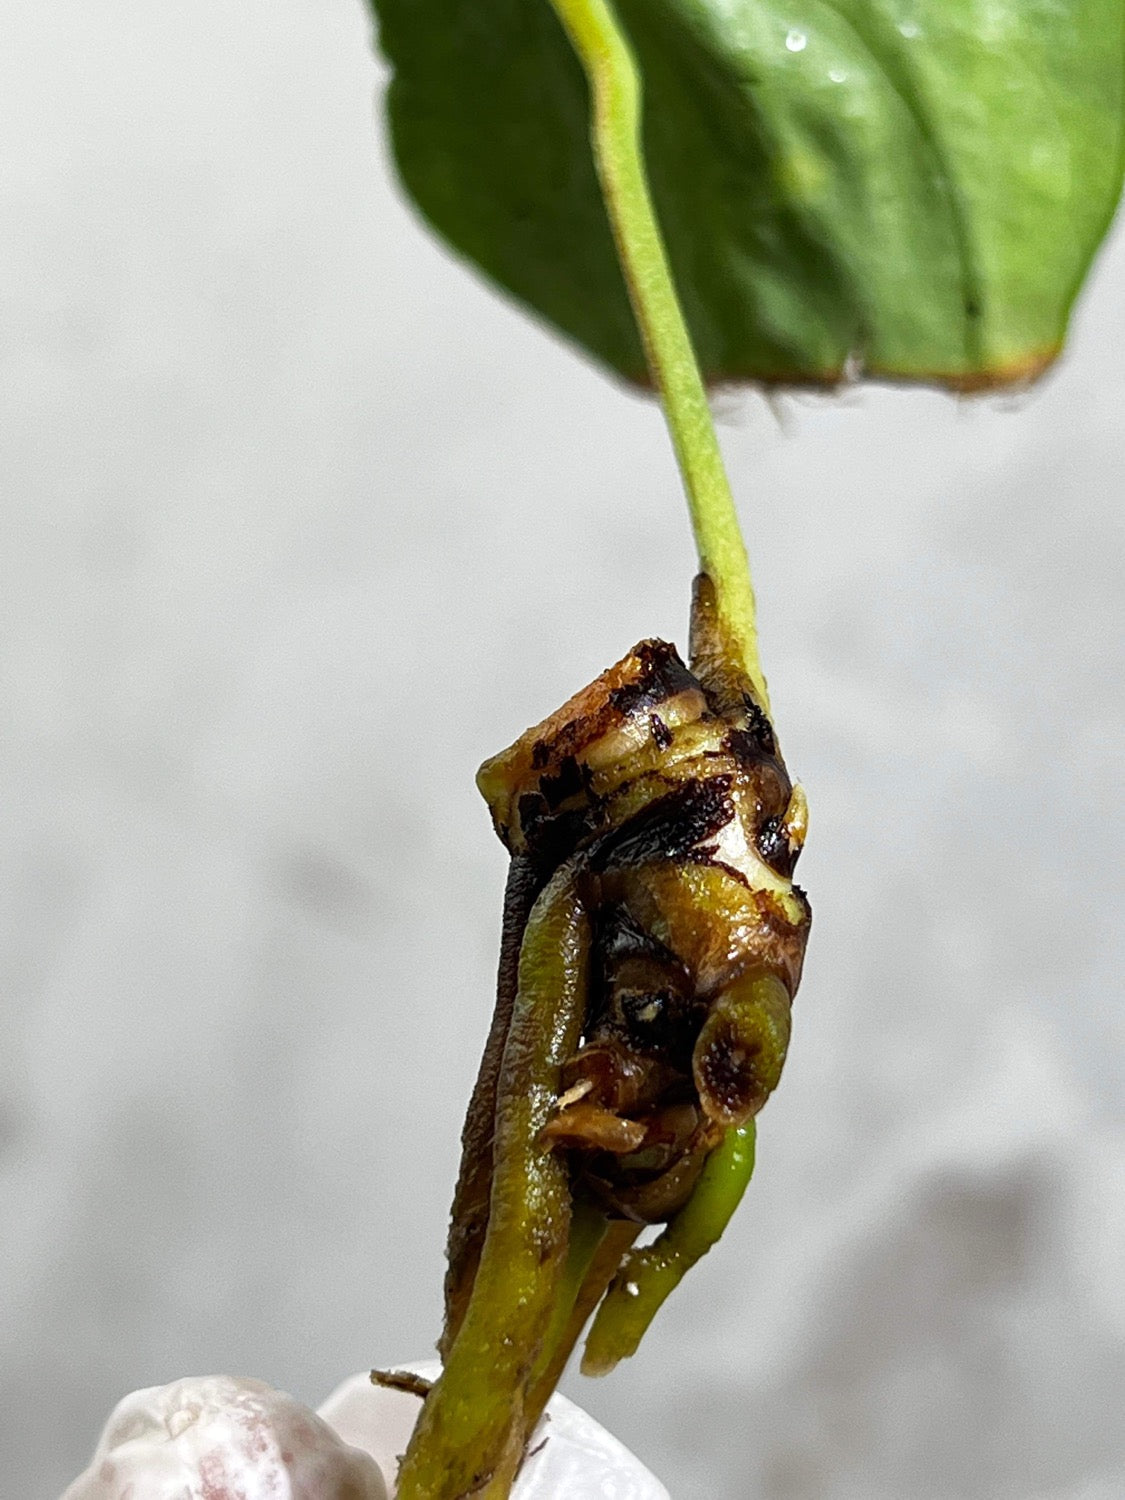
{"x": 615, "y": 90}
{"x": 469, "y": 1438}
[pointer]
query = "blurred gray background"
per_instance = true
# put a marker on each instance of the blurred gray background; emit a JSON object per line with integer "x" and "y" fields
{"x": 300, "y": 522}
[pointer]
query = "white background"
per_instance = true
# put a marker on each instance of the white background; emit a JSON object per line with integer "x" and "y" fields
{"x": 299, "y": 523}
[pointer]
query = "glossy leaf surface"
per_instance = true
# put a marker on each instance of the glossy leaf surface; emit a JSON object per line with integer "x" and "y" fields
{"x": 912, "y": 188}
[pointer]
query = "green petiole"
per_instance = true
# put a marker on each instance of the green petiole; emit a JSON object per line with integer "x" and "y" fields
{"x": 615, "y": 89}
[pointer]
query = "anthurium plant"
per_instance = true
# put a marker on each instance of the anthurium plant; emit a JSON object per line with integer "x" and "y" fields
{"x": 694, "y": 192}
{"x": 698, "y": 192}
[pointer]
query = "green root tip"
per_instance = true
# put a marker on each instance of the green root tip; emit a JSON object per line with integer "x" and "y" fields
{"x": 649, "y": 1276}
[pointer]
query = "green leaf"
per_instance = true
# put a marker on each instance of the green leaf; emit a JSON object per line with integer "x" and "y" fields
{"x": 913, "y": 188}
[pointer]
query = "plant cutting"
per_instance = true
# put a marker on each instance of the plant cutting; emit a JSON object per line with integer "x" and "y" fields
{"x": 653, "y": 943}
{"x": 653, "y": 937}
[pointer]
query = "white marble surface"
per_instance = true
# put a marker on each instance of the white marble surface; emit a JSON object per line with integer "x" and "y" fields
{"x": 300, "y": 523}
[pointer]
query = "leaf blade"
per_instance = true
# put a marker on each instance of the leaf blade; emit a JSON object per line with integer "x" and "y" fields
{"x": 918, "y": 186}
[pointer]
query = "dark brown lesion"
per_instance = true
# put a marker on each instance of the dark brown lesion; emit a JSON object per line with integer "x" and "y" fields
{"x": 675, "y": 826}
{"x": 626, "y": 1108}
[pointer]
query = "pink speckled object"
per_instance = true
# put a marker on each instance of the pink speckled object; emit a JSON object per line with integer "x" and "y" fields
{"x": 215, "y": 1437}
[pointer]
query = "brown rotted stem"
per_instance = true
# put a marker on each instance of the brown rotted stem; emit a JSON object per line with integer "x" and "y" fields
{"x": 469, "y": 1214}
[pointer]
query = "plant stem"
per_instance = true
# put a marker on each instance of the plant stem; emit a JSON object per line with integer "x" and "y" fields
{"x": 529, "y": 1274}
{"x": 594, "y": 1261}
{"x": 469, "y": 1438}
{"x": 616, "y": 134}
